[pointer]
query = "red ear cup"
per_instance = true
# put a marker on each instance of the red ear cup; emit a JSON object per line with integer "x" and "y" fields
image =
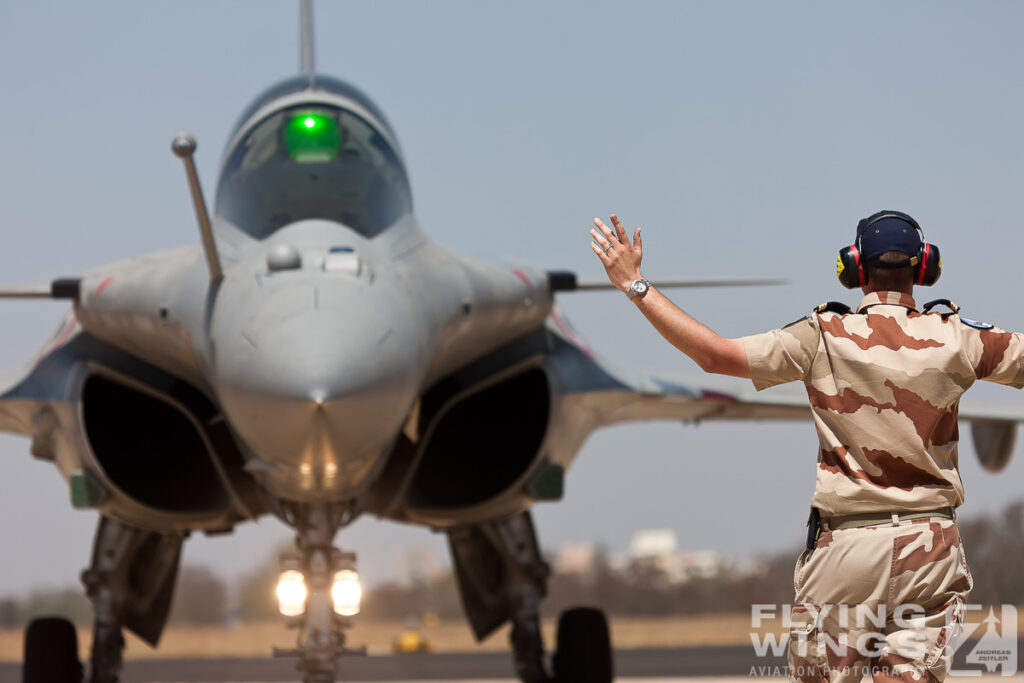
{"x": 930, "y": 267}
{"x": 849, "y": 268}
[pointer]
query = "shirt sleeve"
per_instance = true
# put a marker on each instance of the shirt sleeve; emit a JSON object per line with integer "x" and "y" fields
{"x": 783, "y": 355}
{"x": 995, "y": 355}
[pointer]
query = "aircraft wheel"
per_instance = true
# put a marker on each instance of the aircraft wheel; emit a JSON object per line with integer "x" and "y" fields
{"x": 584, "y": 653}
{"x": 51, "y": 652}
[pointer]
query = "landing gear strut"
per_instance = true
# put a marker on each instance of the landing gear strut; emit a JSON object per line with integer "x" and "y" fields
{"x": 130, "y": 583}
{"x": 525, "y": 586}
{"x": 503, "y": 577}
{"x": 329, "y": 593}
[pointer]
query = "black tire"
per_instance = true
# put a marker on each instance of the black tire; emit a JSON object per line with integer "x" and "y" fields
{"x": 51, "y": 652}
{"x": 584, "y": 653}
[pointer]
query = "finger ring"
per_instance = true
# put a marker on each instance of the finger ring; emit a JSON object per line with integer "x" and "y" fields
{"x": 606, "y": 247}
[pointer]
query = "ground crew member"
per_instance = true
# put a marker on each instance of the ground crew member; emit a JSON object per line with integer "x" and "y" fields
{"x": 884, "y": 383}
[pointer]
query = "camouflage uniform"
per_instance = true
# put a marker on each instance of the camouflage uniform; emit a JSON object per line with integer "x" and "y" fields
{"x": 884, "y": 385}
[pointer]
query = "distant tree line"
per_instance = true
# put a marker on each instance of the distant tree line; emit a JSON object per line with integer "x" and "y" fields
{"x": 68, "y": 602}
{"x": 995, "y": 554}
{"x": 644, "y": 590}
{"x": 201, "y": 598}
{"x": 994, "y": 544}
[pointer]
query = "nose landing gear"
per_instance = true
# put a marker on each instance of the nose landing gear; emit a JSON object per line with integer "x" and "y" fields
{"x": 318, "y": 590}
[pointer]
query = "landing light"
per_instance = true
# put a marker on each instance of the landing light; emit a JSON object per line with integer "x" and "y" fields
{"x": 346, "y": 593}
{"x": 291, "y": 593}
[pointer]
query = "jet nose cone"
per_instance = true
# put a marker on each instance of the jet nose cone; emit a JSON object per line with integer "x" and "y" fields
{"x": 317, "y": 396}
{"x": 313, "y": 356}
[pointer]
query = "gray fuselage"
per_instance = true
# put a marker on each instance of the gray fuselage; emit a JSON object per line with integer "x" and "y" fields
{"x": 321, "y": 337}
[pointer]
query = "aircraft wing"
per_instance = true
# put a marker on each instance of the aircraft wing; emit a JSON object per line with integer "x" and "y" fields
{"x": 43, "y": 380}
{"x": 696, "y": 398}
{"x": 45, "y": 387}
{"x": 594, "y": 393}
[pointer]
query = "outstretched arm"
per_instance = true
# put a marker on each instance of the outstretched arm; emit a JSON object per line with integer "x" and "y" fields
{"x": 621, "y": 261}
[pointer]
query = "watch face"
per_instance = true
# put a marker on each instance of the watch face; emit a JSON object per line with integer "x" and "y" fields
{"x": 640, "y": 287}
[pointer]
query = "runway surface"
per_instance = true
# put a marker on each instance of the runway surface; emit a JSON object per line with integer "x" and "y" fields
{"x": 465, "y": 667}
{"x": 632, "y": 666}
{"x": 490, "y": 666}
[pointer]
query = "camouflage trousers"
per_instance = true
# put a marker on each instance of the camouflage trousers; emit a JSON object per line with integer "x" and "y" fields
{"x": 881, "y": 601}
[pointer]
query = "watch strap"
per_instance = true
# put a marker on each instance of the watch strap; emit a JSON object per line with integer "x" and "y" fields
{"x": 631, "y": 293}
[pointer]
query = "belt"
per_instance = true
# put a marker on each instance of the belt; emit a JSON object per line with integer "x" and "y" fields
{"x": 881, "y": 518}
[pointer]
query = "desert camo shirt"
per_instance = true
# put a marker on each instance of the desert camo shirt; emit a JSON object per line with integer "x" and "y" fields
{"x": 884, "y": 385}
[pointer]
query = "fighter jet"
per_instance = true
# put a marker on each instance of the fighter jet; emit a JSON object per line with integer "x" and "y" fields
{"x": 316, "y": 357}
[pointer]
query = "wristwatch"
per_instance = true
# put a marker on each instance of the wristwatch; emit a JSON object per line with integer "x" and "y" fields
{"x": 638, "y": 289}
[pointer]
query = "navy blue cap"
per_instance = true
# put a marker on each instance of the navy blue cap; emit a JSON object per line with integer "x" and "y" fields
{"x": 889, "y": 233}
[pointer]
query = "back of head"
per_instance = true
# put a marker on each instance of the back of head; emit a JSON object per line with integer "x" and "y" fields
{"x": 893, "y": 272}
{"x": 889, "y": 254}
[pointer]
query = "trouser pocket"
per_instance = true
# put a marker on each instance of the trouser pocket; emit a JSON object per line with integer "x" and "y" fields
{"x": 946, "y": 632}
{"x": 798, "y": 571}
{"x": 806, "y": 656}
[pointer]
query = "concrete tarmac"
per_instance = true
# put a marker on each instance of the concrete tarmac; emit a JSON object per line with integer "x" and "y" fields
{"x": 463, "y": 667}
{"x": 631, "y": 666}
{"x": 491, "y": 666}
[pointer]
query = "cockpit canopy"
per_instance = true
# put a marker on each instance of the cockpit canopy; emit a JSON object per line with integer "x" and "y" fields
{"x": 313, "y": 160}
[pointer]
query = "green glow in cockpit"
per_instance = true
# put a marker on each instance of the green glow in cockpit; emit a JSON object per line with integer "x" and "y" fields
{"x": 312, "y": 137}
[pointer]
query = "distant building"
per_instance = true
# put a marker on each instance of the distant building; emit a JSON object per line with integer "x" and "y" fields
{"x": 702, "y": 564}
{"x": 656, "y": 549}
{"x": 653, "y": 543}
{"x": 659, "y": 549}
{"x": 576, "y": 558}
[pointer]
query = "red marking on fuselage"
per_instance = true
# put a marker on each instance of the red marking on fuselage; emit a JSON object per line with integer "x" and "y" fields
{"x": 103, "y": 285}
{"x": 522, "y": 276}
{"x": 66, "y": 333}
{"x": 707, "y": 395}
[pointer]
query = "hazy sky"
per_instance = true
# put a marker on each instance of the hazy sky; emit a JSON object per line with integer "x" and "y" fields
{"x": 747, "y": 138}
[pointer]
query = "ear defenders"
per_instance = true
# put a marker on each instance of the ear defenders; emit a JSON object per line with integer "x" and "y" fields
{"x": 851, "y": 269}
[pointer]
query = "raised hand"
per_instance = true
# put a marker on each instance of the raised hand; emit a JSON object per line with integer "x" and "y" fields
{"x": 621, "y": 259}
